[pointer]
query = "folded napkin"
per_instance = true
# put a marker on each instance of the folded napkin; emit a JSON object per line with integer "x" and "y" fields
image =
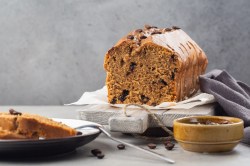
{"x": 233, "y": 96}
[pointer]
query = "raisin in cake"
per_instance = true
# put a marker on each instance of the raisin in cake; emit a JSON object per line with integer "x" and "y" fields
{"x": 15, "y": 125}
{"x": 153, "y": 65}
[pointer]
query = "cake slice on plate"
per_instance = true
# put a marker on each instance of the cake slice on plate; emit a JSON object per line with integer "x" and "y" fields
{"x": 16, "y": 125}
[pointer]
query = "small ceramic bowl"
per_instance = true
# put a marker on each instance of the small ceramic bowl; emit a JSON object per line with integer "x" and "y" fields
{"x": 208, "y": 133}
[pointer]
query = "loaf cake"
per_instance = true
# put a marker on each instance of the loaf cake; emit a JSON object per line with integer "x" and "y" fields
{"x": 153, "y": 65}
{"x": 15, "y": 125}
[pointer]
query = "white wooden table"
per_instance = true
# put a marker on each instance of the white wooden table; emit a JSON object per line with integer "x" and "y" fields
{"x": 113, "y": 156}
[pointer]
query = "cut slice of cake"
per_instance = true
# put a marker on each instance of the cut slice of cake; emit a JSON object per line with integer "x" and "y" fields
{"x": 24, "y": 125}
{"x": 153, "y": 65}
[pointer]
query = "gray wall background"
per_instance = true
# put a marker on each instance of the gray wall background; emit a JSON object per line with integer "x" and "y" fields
{"x": 51, "y": 51}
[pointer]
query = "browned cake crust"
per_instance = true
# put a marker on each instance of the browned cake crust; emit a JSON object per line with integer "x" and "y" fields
{"x": 152, "y": 65}
{"x": 24, "y": 125}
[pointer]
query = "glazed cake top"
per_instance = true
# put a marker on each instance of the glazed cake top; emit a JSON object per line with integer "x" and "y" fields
{"x": 174, "y": 39}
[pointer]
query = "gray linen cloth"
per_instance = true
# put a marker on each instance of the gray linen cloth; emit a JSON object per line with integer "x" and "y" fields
{"x": 232, "y": 95}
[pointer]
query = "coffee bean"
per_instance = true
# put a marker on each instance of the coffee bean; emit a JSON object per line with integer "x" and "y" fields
{"x": 169, "y": 146}
{"x": 175, "y": 27}
{"x": 131, "y": 37}
{"x": 14, "y": 112}
{"x": 143, "y": 37}
{"x": 96, "y": 151}
{"x": 121, "y": 146}
{"x": 123, "y": 96}
{"x": 152, "y": 146}
{"x": 167, "y": 29}
{"x": 100, "y": 156}
{"x": 138, "y": 30}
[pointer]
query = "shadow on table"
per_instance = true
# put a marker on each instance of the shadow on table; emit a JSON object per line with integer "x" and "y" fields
{"x": 78, "y": 154}
{"x": 65, "y": 156}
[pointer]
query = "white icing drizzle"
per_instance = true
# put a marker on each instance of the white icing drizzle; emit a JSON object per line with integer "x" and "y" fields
{"x": 175, "y": 39}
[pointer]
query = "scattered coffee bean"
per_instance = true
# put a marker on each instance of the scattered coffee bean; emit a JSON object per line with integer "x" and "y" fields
{"x": 14, "y": 112}
{"x": 131, "y": 37}
{"x": 96, "y": 151}
{"x": 167, "y": 29}
{"x": 121, "y": 146}
{"x": 123, "y": 96}
{"x": 175, "y": 27}
{"x": 143, "y": 37}
{"x": 169, "y": 146}
{"x": 138, "y": 30}
{"x": 100, "y": 155}
{"x": 152, "y": 146}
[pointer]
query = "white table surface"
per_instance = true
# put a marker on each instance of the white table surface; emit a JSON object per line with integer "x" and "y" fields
{"x": 129, "y": 157}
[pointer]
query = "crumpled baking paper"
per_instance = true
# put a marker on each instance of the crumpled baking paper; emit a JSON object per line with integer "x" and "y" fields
{"x": 99, "y": 97}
